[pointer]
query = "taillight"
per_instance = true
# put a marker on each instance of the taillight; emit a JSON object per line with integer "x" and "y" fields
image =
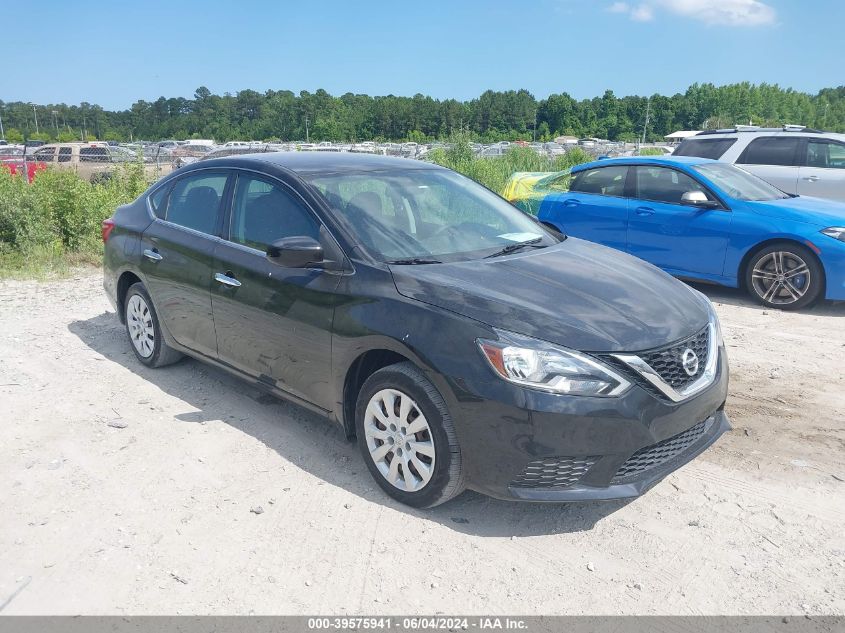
{"x": 108, "y": 227}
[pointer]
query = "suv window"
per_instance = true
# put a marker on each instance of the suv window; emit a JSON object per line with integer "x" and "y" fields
{"x": 771, "y": 150}
{"x": 195, "y": 202}
{"x": 704, "y": 147}
{"x": 94, "y": 155}
{"x": 263, "y": 212}
{"x": 65, "y": 154}
{"x": 825, "y": 154}
{"x": 605, "y": 181}
{"x": 45, "y": 155}
{"x": 661, "y": 184}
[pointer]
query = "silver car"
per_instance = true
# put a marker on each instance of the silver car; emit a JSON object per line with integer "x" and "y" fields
{"x": 795, "y": 159}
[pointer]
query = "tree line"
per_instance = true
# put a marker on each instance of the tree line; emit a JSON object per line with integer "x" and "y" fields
{"x": 513, "y": 114}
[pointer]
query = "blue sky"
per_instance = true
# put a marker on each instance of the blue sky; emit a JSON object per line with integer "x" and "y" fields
{"x": 114, "y": 53}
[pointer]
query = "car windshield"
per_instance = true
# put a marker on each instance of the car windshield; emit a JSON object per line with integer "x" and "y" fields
{"x": 423, "y": 216}
{"x": 738, "y": 183}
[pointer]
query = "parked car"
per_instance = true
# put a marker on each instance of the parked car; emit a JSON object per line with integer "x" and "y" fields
{"x": 795, "y": 159}
{"x": 461, "y": 342}
{"x": 92, "y": 161}
{"x": 700, "y": 219}
{"x": 16, "y": 165}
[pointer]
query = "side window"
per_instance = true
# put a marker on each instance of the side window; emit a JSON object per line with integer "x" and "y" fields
{"x": 704, "y": 148}
{"x": 771, "y": 150}
{"x": 825, "y": 154}
{"x": 65, "y": 154}
{"x": 45, "y": 155}
{"x": 263, "y": 212}
{"x": 157, "y": 201}
{"x": 664, "y": 185}
{"x": 94, "y": 155}
{"x": 605, "y": 181}
{"x": 195, "y": 202}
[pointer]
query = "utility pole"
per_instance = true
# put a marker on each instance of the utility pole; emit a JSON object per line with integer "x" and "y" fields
{"x": 56, "y": 121}
{"x": 2, "y": 132}
{"x": 35, "y": 114}
{"x": 307, "y": 138}
{"x": 535, "y": 126}
{"x": 647, "y": 111}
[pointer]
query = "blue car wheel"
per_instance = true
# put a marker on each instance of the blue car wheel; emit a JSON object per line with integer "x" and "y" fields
{"x": 784, "y": 275}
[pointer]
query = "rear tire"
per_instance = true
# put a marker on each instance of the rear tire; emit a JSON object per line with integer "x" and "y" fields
{"x": 407, "y": 438}
{"x": 785, "y": 275}
{"x": 144, "y": 330}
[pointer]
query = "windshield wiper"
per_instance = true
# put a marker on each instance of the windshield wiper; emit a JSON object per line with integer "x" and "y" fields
{"x": 413, "y": 261}
{"x": 510, "y": 248}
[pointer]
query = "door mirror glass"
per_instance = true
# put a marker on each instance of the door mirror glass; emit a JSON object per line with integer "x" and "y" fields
{"x": 295, "y": 252}
{"x": 698, "y": 199}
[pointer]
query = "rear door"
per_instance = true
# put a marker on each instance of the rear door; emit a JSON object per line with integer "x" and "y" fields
{"x": 775, "y": 159}
{"x": 594, "y": 208}
{"x": 177, "y": 251}
{"x": 823, "y": 171}
{"x": 679, "y": 238}
{"x": 273, "y": 322}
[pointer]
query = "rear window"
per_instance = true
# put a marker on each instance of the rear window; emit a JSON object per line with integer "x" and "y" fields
{"x": 604, "y": 181}
{"x": 713, "y": 148}
{"x": 771, "y": 150}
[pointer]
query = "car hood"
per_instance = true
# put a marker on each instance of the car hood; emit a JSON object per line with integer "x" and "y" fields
{"x": 577, "y": 294}
{"x": 816, "y": 211}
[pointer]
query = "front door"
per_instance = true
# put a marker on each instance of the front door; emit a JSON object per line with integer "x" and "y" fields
{"x": 176, "y": 258}
{"x": 273, "y": 322}
{"x": 680, "y": 239}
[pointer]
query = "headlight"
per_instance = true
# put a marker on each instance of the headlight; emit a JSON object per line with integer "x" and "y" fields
{"x": 539, "y": 365}
{"x": 836, "y": 232}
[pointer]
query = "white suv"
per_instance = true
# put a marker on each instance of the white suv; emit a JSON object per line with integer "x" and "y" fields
{"x": 795, "y": 159}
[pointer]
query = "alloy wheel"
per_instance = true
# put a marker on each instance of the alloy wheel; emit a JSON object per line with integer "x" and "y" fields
{"x": 399, "y": 440}
{"x": 139, "y": 321}
{"x": 781, "y": 278}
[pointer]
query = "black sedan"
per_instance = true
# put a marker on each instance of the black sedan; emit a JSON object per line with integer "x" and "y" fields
{"x": 462, "y": 343}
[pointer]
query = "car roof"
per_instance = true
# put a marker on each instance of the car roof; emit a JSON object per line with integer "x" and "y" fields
{"x": 666, "y": 161}
{"x": 311, "y": 163}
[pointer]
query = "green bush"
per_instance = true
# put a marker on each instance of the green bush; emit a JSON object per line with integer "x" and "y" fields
{"x": 60, "y": 213}
{"x": 493, "y": 173}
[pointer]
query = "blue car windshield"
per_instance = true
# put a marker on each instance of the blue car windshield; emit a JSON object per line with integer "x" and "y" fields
{"x": 738, "y": 183}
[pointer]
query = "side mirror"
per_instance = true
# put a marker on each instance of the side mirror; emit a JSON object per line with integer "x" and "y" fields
{"x": 698, "y": 199}
{"x": 295, "y": 252}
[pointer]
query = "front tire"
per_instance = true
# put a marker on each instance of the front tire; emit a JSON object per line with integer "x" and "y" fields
{"x": 784, "y": 275}
{"x": 407, "y": 438}
{"x": 144, "y": 330}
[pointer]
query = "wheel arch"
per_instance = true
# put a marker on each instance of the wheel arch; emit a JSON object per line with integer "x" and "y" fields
{"x": 361, "y": 368}
{"x": 752, "y": 251}
{"x": 124, "y": 282}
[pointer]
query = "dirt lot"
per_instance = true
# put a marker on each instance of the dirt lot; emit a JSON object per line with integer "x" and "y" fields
{"x": 131, "y": 491}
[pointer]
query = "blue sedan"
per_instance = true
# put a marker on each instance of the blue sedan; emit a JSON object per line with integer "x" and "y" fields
{"x": 704, "y": 220}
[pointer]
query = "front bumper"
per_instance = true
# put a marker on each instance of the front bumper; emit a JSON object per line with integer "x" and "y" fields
{"x": 580, "y": 448}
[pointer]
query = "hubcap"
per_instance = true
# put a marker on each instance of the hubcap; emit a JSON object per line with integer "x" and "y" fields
{"x": 139, "y": 321}
{"x": 781, "y": 277}
{"x": 399, "y": 440}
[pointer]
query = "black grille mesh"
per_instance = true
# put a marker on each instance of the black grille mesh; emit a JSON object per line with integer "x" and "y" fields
{"x": 656, "y": 454}
{"x": 667, "y": 362}
{"x": 553, "y": 472}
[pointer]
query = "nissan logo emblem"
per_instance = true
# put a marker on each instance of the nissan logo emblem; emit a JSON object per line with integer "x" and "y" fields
{"x": 689, "y": 361}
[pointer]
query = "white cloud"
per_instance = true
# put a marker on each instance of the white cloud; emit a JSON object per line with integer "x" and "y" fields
{"x": 725, "y": 12}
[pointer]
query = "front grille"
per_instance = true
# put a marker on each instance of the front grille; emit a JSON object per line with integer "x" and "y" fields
{"x": 553, "y": 472}
{"x": 668, "y": 363}
{"x": 657, "y": 454}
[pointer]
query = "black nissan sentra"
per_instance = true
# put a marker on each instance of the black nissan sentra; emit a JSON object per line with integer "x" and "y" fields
{"x": 461, "y": 342}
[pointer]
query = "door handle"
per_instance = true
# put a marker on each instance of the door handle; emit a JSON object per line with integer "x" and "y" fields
{"x": 644, "y": 211}
{"x": 153, "y": 254}
{"x": 812, "y": 178}
{"x": 227, "y": 279}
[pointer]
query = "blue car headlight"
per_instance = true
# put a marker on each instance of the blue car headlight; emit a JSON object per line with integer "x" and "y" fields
{"x": 836, "y": 232}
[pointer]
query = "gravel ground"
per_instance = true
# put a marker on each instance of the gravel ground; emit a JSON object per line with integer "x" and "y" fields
{"x": 134, "y": 491}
